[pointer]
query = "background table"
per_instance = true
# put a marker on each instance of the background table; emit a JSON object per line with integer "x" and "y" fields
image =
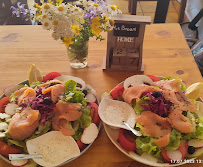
{"x": 165, "y": 53}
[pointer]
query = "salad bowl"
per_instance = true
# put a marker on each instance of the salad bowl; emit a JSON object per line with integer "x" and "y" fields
{"x": 91, "y": 101}
{"x": 134, "y": 151}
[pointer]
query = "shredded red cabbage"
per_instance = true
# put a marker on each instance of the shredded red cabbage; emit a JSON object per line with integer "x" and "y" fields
{"x": 37, "y": 103}
{"x": 158, "y": 105}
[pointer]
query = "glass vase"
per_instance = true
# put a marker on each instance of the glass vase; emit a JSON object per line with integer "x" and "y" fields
{"x": 78, "y": 55}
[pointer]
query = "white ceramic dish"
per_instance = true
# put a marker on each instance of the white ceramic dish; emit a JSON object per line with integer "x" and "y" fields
{"x": 113, "y": 136}
{"x": 82, "y": 152}
{"x": 112, "y": 133}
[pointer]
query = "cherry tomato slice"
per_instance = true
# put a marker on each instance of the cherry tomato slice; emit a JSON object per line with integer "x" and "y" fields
{"x": 5, "y": 149}
{"x": 80, "y": 144}
{"x": 117, "y": 92}
{"x": 126, "y": 141}
{"x": 50, "y": 76}
{"x": 3, "y": 102}
{"x": 183, "y": 148}
{"x": 164, "y": 155}
{"x": 94, "y": 113}
{"x": 153, "y": 78}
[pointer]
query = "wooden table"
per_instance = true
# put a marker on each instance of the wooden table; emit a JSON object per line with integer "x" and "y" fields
{"x": 165, "y": 53}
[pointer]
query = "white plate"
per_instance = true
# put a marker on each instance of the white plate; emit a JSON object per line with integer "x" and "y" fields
{"x": 83, "y": 151}
{"x": 113, "y": 136}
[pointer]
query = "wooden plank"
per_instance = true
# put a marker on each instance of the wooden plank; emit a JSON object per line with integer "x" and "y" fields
{"x": 140, "y": 38}
{"x": 132, "y": 19}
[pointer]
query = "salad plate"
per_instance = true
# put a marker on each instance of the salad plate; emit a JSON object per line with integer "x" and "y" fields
{"x": 81, "y": 126}
{"x": 183, "y": 145}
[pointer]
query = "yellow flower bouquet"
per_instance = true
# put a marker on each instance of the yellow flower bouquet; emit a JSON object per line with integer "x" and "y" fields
{"x": 72, "y": 24}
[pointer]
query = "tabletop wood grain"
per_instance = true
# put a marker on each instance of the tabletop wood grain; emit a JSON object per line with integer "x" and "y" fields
{"x": 165, "y": 53}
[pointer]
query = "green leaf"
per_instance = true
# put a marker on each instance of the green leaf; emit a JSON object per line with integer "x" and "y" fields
{"x": 145, "y": 144}
{"x": 34, "y": 84}
{"x": 70, "y": 85}
{"x": 13, "y": 98}
{"x": 78, "y": 97}
{"x": 42, "y": 129}
{"x": 138, "y": 127}
{"x": 78, "y": 134}
{"x": 72, "y": 94}
{"x": 167, "y": 78}
{"x": 14, "y": 142}
{"x": 174, "y": 140}
{"x": 83, "y": 122}
{"x": 198, "y": 132}
{"x": 17, "y": 143}
{"x": 138, "y": 108}
{"x": 183, "y": 87}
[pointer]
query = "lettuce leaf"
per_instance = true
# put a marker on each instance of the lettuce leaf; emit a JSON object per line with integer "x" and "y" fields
{"x": 197, "y": 134}
{"x": 174, "y": 140}
{"x": 13, "y": 98}
{"x": 73, "y": 95}
{"x": 78, "y": 97}
{"x": 34, "y": 84}
{"x": 10, "y": 142}
{"x": 168, "y": 78}
{"x": 182, "y": 85}
{"x": 70, "y": 85}
{"x": 146, "y": 144}
{"x": 84, "y": 121}
{"x": 17, "y": 143}
{"x": 138, "y": 108}
{"x": 78, "y": 134}
{"x": 42, "y": 129}
{"x": 138, "y": 127}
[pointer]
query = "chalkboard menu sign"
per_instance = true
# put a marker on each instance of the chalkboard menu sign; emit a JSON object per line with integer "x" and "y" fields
{"x": 126, "y": 30}
{"x": 125, "y": 43}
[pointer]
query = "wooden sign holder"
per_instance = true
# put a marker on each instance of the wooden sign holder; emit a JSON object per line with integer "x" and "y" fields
{"x": 125, "y": 43}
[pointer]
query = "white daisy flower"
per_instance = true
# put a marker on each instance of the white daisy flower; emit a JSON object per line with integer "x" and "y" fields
{"x": 109, "y": 25}
{"x": 77, "y": 11}
{"x": 113, "y": 10}
{"x": 88, "y": 4}
{"x": 81, "y": 2}
{"x": 46, "y": 24}
{"x": 47, "y": 7}
{"x": 71, "y": 7}
{"x": 44, "y": 16}
{"x": 55, "y": 22}
{"x": 62, "y": 8}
